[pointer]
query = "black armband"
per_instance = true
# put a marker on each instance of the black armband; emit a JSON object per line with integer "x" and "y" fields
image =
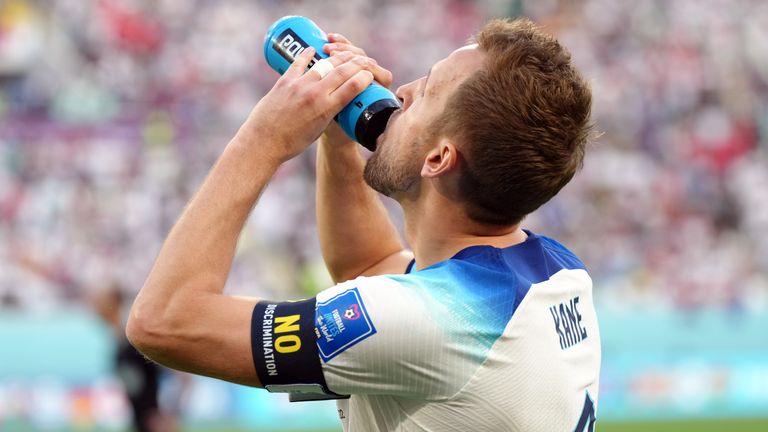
{"x": 284, "y": 346}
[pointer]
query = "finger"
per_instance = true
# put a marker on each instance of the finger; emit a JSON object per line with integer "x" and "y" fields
{"x": 341, "y": 58}
{"x": 339, "y": 47}
{"x": 337, "y": 37}
{"x": 344, "y": 72}
{"x": 351, "y": 88}
{"x": 326, "y": 65}
{"x": 320, "y": 69}
{"x": 300, "y": 63}
{"x": 381, "y": 75}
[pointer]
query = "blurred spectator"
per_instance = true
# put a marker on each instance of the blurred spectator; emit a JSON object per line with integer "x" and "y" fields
{"x": 140, "y": 377}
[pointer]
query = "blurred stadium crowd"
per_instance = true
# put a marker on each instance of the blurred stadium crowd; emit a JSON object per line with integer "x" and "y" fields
{"x": 112, "y": 111}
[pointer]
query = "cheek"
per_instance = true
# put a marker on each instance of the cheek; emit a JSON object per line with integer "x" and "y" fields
{"x": 407, "y": 129}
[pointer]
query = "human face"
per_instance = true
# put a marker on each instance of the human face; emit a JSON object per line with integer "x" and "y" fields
{"x": 395, "y": 166}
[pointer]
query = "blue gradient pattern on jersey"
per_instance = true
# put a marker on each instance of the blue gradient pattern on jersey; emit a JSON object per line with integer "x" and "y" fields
{"x": 473, "y": 295}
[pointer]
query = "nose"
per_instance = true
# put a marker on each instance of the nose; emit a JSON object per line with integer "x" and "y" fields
{"x": 405, "y": 93}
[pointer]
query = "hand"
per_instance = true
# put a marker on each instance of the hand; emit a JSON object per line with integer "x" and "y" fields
{"x": 300, "y": 105}
{"x": 338, "y": 44}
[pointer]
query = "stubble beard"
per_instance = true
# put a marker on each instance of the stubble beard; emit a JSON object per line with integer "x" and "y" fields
{"x": 389, "y": 175}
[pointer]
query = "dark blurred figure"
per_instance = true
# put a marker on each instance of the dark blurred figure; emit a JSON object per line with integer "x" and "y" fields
{"x": 140, "y": 377}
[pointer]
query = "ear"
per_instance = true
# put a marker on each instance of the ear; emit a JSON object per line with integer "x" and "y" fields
{"x": 440, "y": 160}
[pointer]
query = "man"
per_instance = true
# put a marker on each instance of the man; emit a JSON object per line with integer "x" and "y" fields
{"x": 140, "y": 378}
{"x": 483, "y": 327}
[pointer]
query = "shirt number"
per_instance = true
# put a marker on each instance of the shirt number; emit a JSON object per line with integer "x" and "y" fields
{"x": 587, "y": 421}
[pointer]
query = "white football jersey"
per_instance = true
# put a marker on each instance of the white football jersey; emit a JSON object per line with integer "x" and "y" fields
{"x": 489, "y": 340}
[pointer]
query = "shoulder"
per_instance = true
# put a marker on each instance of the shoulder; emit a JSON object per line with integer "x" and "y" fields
{"x": 561, "y": 254}
{"x": 369, "y": 288}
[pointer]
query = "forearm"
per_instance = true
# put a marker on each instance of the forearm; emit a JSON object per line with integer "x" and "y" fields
{"x": 354, "y": 228}
{"x": 198, "y": 252}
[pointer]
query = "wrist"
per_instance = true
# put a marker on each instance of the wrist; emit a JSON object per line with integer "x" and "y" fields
{"x": 339, "y": 146}
{"x": 344, "y": 163}
{"x": 339, "y": 151}
{"x": 262, "y": 141}
{"x": 261, "y": 147}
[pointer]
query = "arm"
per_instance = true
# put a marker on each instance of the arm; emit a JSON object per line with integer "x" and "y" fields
{"x": 181, "y": 318}
{"x": 356, "y": 235}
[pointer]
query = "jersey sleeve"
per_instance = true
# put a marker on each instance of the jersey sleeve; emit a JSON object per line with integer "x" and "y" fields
{"x": 371, "y": 335}
{"x": 375, "y": 336}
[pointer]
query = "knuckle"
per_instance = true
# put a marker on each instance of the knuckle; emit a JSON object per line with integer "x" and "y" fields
{"x": 359, "y": 84}
{"x": 344, "y": 56}
{"x": 310, "y": 94}
{"x": 287, "y": 82}
{"x": 294, "y": 86}
{"x": 353, "y": 69}
{"x": 340, "y": 73}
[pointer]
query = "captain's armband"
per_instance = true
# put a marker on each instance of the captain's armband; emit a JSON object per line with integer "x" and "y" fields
{"x": 285, "y": 353}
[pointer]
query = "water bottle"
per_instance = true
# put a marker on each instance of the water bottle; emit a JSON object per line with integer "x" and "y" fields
{"x": 363, "y": 119}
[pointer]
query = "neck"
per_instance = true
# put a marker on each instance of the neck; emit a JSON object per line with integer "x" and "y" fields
{"x": 436, "y": 233}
